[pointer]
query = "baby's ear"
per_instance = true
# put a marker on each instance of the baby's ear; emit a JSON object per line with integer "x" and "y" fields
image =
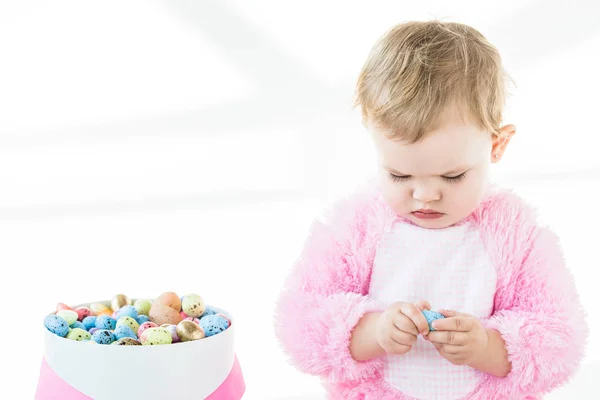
{"x": 501, "y": 141}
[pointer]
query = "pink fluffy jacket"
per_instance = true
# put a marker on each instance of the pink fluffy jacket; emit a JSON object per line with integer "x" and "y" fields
{"x": 536, "y": 307}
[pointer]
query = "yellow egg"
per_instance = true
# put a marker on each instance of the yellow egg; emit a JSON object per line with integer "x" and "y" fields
{"x": 68, "y": 315}
{"x": 169, "y": 299}
{"x": 193, "y": 305}
{"x": 155, "y": 336}
{"x": 79, "y": 335}
{"x": 188, "y": 331}
{"x": 98, "y": 308}
{"x": 128, "y": 321}
{"x": 161, "y": 314}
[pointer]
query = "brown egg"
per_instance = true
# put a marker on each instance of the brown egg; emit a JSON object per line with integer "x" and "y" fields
{"x": 169, "y": 299}
{"x": 119, "y": 301}
{"x": 127, "y": 341}
{"x": 161, "y": 314}
{"x": 188, "y": 330}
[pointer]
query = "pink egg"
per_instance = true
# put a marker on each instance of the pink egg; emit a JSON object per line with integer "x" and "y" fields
{"x": 195, "y": 320}
{"x": 62, "y": 306}
{"x": 144, "y": 326}
{"x": 183, "y": 315}
{"x": 83, "y": 312}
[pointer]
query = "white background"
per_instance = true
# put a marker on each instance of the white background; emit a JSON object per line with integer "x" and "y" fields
{"x": 186, "y": 145}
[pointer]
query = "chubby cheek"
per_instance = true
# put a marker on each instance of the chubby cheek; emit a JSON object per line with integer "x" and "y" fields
{"x": 397, "y": 196}
{"x": 464, "y": 199}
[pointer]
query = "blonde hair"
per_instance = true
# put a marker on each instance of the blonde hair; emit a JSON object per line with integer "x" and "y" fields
{"x": 420, "y": 71}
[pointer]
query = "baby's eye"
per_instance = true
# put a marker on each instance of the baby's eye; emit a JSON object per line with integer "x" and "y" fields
{"x": 455, "y": 179}
{"x": 399, "y": 178}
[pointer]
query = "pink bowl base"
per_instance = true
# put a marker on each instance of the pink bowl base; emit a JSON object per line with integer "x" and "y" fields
{"x": 52, "y": 387}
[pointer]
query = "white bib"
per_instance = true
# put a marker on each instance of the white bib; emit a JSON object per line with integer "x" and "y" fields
{"x": 451, "y": 269}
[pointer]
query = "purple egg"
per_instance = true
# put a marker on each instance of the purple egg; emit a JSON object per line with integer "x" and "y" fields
{"x": 173, "y": 331}
{"x": 92, "y": 330}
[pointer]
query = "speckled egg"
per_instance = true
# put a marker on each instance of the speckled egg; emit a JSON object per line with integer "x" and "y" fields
{"x": 68, "y": 315}
{"x": 188, "y": 331}
{"x": 226, "y": 318}
{"x": 89, "y": 322}
{"x": 193, "y": 305}
{"x": 103, "y": 336}
{"x": 56, "y": 325}
{"x": 124, "y": 331}
{"x": 194, "y": 320}
{"x": 142, "y": 306}
{"x": 119, "y": 301}
{"x": 127, "y": 311}
{"x": 168, "y": 299}
{"x": 127, "y": 341}
{"x": 162, "y": 314}
{"x": 78, "y": 324}
{"x": 142, "y": 318}
{"x": 213, "y": 324}
{"x": 83, "y": 312}
{"x": 100, "y": 309}
{"x": 209, "y": 311}
{"x": 431, "y": 316}
{"x": 105, "y": 322}
{"x": 79, "y": 334}
{"x": 128, "y": 321}
{"x": 172, "y": 329}
{"x": 155, "y": 336}
{"x": 62, "y": 306}
{"x": 145, "y": 326}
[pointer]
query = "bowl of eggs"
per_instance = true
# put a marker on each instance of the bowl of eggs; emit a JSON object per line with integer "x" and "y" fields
{"x": 170, "y": 347}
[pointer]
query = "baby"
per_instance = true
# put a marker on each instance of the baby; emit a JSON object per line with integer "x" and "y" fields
{"x": 433, "y": 232}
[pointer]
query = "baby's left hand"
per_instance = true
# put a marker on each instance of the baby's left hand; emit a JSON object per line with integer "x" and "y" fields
{"x": 459, "y": 338}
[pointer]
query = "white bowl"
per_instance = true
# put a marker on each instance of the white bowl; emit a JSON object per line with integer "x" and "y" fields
{"x": 190, "y": 370}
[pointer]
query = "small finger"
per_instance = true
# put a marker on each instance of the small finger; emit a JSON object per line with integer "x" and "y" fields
{"x": 451, "y": 349}
{"x": 423, "y": 305}
{"x": 452, "y": 313}
{"x": 458, "y": 324}
{"x": 416, "y": 316}
{"x": 405, "y": 324}
{"x": 448, "y": 337}
{"x": 403, "y": 338}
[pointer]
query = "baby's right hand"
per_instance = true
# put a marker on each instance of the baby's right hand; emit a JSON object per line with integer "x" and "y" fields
{"x": 397, "y": 328}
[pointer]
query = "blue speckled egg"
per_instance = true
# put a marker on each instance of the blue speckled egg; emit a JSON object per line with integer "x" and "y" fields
{"x": 103, "y": 336}
{"x": 142, "y": 318}
{"x": 106, "y": 322}
{"x": 89, "y": 322}
{"x": 213, "y": 324}
{"x": 127, "y": 311}
{"x": 431, "y": 316}
{"x": 57, "y": 325}
{"x": 209, "y": 311}
{"x": 77, "y": 324}
{"x": 124, "y": 331}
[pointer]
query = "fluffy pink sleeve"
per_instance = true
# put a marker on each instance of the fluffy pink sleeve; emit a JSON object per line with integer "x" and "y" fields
{"x": 538, "y": 311}
{"x": 326, "y": 294}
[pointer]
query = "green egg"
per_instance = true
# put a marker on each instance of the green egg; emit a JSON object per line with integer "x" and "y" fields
{"x": 142, "y": 306}
{"x": 79, "y": 335}
{"x": 128, "y": 321}
{"x": 68, "y": 315}
{"x": 156, "y": 336}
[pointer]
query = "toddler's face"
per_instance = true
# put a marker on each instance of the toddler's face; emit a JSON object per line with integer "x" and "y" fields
{"x": 439, "y": 181}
